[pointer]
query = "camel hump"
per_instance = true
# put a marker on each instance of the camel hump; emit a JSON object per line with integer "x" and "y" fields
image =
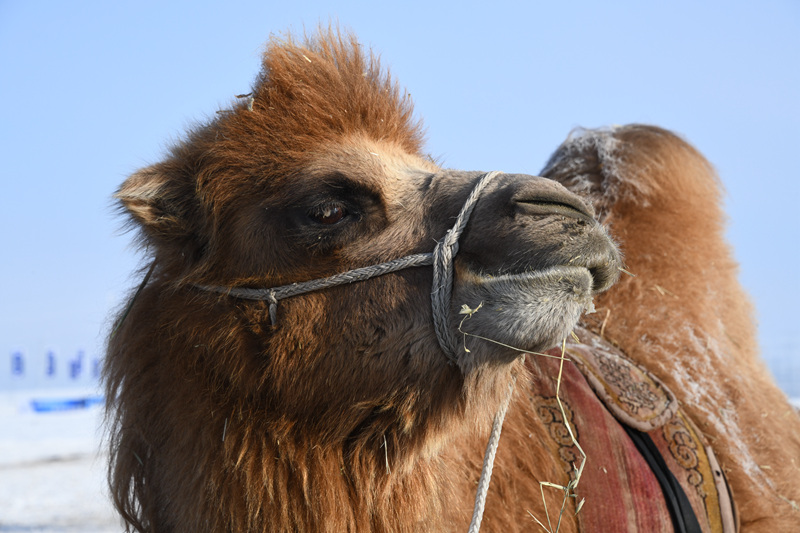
{"x": 640, "y": 165}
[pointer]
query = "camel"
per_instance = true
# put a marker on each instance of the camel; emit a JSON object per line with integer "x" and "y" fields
{"x": 597, "y": 306}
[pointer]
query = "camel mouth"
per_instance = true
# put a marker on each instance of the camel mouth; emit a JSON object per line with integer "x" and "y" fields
{"x": 592, "y": 277}
{"x": 532, "y": 311}
{"x": 604, "y": 274}
{"x": 578, "y": 280}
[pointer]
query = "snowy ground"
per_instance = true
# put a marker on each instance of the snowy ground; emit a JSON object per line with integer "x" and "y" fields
{"x": 52, "y": 476}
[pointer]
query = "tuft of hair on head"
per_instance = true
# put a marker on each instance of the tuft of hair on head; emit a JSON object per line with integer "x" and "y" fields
{"x": 325, "y": 87}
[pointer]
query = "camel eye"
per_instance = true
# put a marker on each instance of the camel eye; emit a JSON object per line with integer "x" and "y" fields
{"x": 328, "y": 214}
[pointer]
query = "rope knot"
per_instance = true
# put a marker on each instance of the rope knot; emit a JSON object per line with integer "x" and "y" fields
{"x": 273, "y": 306}
{"x": 443, "y": 254}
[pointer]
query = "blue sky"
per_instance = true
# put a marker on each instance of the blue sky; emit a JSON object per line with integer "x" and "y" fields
{"x": 93, "y": 90}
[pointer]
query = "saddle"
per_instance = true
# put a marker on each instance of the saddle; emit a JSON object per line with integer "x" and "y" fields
{"x": 648, "y": 466}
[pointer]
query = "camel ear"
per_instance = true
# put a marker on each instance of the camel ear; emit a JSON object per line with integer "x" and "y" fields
{"x": 160, "y": 200}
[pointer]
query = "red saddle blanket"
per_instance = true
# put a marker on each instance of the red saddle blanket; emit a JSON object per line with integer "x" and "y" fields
{"x": 614, "y": 406}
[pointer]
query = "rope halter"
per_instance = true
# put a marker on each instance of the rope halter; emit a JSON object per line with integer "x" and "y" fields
{"x": 441, "y": 259}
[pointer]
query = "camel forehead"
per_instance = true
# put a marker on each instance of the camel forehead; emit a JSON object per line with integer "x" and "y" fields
{"x": 384, "y": 166}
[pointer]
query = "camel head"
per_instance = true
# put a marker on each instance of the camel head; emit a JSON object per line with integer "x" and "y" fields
{"x": 320, "y": 171}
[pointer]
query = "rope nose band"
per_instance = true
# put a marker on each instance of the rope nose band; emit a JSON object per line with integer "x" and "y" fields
{"x": 441, "y": 259}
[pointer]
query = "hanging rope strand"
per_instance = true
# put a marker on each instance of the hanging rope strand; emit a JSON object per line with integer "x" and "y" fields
{"x": 488, "y": 460}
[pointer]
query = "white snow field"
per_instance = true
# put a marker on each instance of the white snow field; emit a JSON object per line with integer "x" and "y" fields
{"x": 52, "y": 474}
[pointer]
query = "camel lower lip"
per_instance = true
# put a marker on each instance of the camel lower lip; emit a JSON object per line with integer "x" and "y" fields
{"x": 529, "y": 310}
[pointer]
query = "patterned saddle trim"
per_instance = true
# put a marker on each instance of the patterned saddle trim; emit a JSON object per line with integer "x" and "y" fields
{"x": 638, "y": 399}
{"x": 633, "y": 395}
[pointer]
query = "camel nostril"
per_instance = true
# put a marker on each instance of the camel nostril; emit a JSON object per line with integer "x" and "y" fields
{"x": 540, "y": 196}
{"x": 555, "y": 206}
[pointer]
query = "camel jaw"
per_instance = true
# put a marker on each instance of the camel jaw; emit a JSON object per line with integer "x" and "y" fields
{"x": 531, "y": 311}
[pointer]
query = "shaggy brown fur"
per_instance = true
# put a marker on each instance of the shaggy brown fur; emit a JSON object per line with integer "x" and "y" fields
{"x": 345, "y": 415}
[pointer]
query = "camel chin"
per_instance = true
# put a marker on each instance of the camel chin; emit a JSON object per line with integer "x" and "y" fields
{"x": 530, "y": 311}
